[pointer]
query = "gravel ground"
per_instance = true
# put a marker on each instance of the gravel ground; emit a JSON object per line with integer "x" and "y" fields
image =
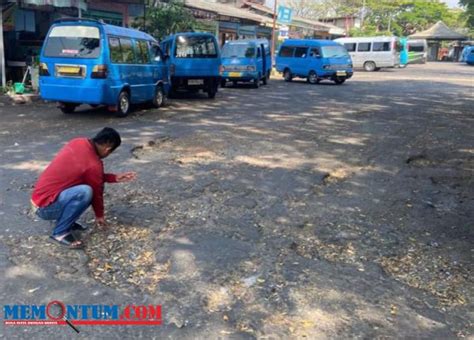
{"x": 289, "y": 211}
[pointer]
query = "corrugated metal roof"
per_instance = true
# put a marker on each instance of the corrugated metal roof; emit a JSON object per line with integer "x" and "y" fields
{"x": 227, "y": 10}
{"x": 439, "y": 31}
{"x": 301, "y": 22}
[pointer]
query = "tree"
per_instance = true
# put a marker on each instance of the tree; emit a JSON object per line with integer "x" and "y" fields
{"x": 162, "y": 19}
{"x": 469, "y": 14}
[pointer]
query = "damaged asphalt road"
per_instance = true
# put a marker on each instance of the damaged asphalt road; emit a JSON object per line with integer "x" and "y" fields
{"x": 291, "y": 211}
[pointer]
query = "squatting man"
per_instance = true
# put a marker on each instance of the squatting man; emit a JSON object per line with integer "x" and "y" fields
{"x": 73, "y": 181}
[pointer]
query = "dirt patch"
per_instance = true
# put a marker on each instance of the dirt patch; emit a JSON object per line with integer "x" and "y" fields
{"x": 124, "y": 258}
{"x": 426, "y": 269}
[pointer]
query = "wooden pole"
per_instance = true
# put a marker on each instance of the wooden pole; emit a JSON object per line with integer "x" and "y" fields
{"x": 273, "y": 29}
{"x": 2, "y": 50}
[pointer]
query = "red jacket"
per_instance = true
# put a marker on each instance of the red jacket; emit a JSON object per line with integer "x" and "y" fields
{"x": 76, "y": 163}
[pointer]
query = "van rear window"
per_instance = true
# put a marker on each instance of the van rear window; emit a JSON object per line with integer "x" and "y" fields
{"x": 195, "y": 47}
{"x": 73, "y": 42}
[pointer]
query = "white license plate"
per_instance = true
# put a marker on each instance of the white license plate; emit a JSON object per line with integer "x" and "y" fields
{"x": 341, "y": 73}
{"x": 195, "y": 81}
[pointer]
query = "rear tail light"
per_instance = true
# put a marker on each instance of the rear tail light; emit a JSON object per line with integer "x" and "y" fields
{"x": 221, "y": 69}
{"x": 172, "y": 69}
{"x": 43, "y": 69}
{"x": 99, "y": 72}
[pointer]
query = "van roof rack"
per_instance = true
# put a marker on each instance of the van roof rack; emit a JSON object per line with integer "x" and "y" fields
{"x": 100, "y": 21}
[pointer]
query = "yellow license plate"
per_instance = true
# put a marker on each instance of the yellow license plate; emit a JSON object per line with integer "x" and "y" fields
{"x": 341, "y": 73}
{"x": 235, "y": 74}
{"x": 69, "y": 69}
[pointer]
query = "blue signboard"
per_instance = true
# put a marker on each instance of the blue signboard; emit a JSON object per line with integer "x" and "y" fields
{"x": 284, "y": 14}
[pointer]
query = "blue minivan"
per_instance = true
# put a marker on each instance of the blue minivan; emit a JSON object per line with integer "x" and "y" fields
{"x": 314, "y": 60}
{"x": 194, "y": 62}
{"x": 88, "y": 62}
{"x": 246, "y": 61}
{"x": 470, "y": 55}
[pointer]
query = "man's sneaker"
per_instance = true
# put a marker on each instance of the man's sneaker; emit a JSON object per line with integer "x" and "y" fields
{"x": 77, "y": 226}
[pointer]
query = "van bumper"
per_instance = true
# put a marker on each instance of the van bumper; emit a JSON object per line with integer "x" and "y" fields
{"x": 100, "y": 94}
{"x": 204, "y": 82}
{"x": 240, "y": 76}
{"x": 333, "y": 74}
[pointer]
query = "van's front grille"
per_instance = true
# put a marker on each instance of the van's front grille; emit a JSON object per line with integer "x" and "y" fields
{"x": 73, "y": 71}
{"x": 339, "y": 66}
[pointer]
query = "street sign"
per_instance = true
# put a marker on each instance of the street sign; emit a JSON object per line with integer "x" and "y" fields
{"x": 283, "y": 32}
{"x": 284, "y": 14}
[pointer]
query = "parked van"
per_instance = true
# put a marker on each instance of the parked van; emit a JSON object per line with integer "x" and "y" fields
{"x": 373, "y": 53}
{"x": 246, "y": 61}
{"x": 417, "y": 51}
{"x": 470, "y": 55}
{"x": 194, "y": 62}
{"x": 314, "y": 60}
{"x": 88, "y": 62}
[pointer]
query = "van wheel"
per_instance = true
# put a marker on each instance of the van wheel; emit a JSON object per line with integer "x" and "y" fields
{"x": 265, "y": 79}
{"x": 159, "y": 97}
{"x": 123, "y": 104}
{"x": 223, "y": 83}
{"x": 67, "y": 108}
{"x": 369, "y": 66}
{"x": 313, "y": 78}
{"x": 256, "y": 82}
{"x": 339, "y": 81}
{"x": 287, "y": 75}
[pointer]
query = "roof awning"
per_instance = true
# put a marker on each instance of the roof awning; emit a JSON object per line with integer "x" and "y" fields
{"x": 439, "y": 31}
{"x": 57, "y": 3}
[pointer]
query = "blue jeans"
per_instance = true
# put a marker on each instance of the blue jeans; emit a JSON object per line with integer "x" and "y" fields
{"x": 67, "y": 208}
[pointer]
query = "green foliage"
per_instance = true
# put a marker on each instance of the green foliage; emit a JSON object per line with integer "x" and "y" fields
{"x": 469, "y": 13}
{"x": 387, "y": 17}
{"x": 163, "y": 19}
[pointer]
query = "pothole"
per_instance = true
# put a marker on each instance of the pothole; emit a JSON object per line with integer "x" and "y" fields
{"x": 140, "y": 150}
{"x": 419, "y": 160}
{"x": 336, "y": 176}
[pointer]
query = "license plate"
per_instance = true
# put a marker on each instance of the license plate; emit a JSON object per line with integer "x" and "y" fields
{"x": 341, "y": 73}
{"x": 69, "y": 69}
{"x": 195, "y": 81}
{"x": 235, "y": 74}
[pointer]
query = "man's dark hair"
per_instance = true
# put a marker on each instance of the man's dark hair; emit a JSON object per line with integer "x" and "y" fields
{"x": 108, "y": 136}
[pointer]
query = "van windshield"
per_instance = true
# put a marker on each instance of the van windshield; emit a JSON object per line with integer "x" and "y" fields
{"x": 334, "y": 51}
{"x": 73, "y": 42}
{"x": 238, "y": 51}
{"x": 198, "y": 46}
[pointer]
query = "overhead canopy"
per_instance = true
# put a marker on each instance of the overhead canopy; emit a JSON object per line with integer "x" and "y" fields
{"x": 439, "y": 31}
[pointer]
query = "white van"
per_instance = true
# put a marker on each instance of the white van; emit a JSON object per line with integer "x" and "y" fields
{"x": 373, "y": 53}
{"x": 417, "y": 51}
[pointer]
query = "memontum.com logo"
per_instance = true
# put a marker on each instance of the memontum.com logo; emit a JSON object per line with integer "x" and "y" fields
{"x": 58, "y": 313}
